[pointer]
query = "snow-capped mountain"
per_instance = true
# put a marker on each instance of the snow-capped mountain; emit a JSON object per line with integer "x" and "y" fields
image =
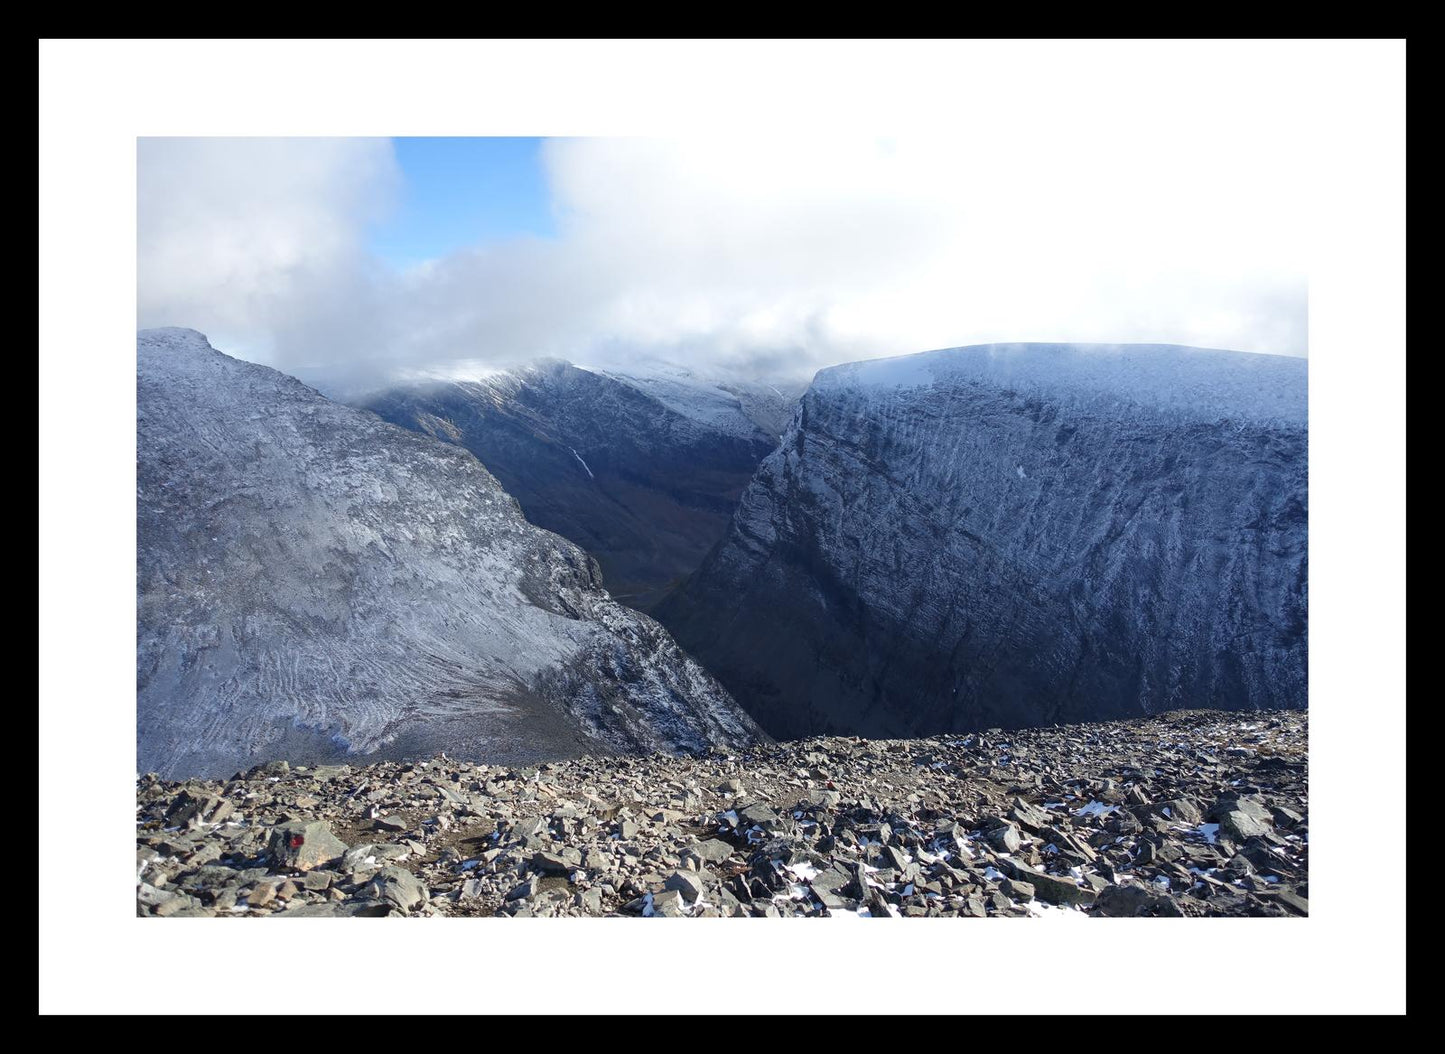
{"x": 312, "y": 580}
{"x": 642, "y": 470}
{"x": 723, "y": 401}
{"x": 1017, "y": 535}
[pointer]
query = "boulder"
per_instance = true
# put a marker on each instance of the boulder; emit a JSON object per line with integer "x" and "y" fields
{"x": 303, "y": 845}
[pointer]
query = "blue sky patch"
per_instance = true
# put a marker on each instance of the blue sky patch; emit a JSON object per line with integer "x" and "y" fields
{"x": 461, "y": 192}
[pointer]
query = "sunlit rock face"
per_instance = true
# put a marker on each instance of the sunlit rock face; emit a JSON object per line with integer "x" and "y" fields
{"x": 313, "y": 583}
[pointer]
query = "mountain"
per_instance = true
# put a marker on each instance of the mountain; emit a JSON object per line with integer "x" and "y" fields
{"x": 1011, "y": 535}
{"x": 313, "y": 582}
{"x": 723, "y": 400}
{"x": 641, "y": 470}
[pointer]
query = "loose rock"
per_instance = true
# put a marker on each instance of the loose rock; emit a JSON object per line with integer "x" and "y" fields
{"x": 1103, "y": 819}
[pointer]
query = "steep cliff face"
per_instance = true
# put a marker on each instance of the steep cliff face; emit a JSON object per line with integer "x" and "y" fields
{"x": 312, "y": 581}
{"x": 644, "y": 474}
{"x": 1016, "y": 535}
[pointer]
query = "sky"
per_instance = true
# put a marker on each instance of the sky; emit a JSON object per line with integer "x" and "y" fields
{"x": 461, "y": 192}
{"x": 770, "y": 254}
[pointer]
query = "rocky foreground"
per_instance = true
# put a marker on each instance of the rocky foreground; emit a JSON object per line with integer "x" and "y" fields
{"x": 1186, "y": 814}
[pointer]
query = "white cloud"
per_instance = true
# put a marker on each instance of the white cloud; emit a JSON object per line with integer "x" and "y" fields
{"x": 259, "y": 242}
{"x": 785, "y": 252}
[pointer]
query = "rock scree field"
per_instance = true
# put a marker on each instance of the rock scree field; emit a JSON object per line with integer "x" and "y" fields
{"x": 1189, "y": 813}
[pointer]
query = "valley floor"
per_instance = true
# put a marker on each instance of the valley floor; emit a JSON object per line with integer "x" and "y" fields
{"x": 1190, "y": 813}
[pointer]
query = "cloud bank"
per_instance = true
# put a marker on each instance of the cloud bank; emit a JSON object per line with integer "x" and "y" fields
{"x": 773, "y": 255}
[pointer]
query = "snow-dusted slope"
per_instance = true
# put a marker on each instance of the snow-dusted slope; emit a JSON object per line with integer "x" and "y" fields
{"x": 1169, "y": 381}
{"x": 1007, "y": 535}
{"x": 644, "y": 480}
{"x": 311, "y": 579}
{"x": 722, "y": 402}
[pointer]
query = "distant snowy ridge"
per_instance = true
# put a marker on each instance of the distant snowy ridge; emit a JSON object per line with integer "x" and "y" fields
{"x": 1192, "y": 383}
{"x": 735, "y": 406}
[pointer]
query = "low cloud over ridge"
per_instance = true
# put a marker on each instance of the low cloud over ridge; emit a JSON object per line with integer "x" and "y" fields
{"x": 780, "y": 255}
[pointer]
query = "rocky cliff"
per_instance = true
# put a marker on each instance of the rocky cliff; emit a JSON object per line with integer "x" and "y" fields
{"x": 642, "y": 472}
{"x": 315, "y": 583}
{"x": 1016, "y": 535}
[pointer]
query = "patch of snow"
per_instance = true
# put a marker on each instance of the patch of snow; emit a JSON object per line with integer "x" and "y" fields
{"x": 795, "y": 891}
{"x": 803, "y": 870}
{"x": 582, "y": 463}
{"x": 1039, "y": 910}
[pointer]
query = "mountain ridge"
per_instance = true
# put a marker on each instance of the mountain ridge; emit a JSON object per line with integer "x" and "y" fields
{"x": 645, "y": 484}
{"x": 326, "y": 581}
{"x": 1013, "y": 535}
